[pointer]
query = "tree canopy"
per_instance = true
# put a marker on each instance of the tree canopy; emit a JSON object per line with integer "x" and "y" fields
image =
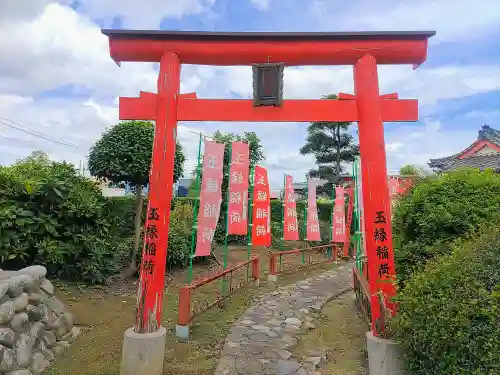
{"x": 411, "y": 170}
{"x": 332, "y": 145}
{"x": 123, "y": 154}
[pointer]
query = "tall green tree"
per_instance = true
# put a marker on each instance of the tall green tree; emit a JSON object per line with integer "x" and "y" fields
{"x": 123, "y": 155}
{"x": 411, "y": 170}
{"x": 332, "y": 145}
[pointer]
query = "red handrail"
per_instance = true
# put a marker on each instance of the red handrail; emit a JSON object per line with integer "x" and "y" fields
{"x": 273, "y": 270}
{"x": 184, "y": 312}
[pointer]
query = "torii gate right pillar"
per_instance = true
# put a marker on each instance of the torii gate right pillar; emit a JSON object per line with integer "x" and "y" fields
{"x": 379, "y": 246}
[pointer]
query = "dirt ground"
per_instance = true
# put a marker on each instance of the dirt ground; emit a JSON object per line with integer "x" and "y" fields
{"x": 105, "y": 312}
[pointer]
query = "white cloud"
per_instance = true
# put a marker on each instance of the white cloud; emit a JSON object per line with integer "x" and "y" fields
{"x": 137, "y": 14}
{"x": 50, "y": 45}
{"x": 26, "y": 10}
{"x": 261, "y": 4}
{"x": 419, "y": 145}
{"x": 429, "y": 85}
{"x": 453, "y": 20}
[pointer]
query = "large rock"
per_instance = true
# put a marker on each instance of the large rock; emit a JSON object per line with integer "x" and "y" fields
{"x": 49, "y": 338}
{"x": 7, "y": 312}
{"x": 47, "y": 287}
{"x": 34, "y": 325}
{"x": 20, "y": 322}
{"x": 24, "y": 350}
{"x": 38, "y": 363}
{"x": 20, "y": 372}
{"x": 20, "y": 302}
{"x": 7, "y": 337}
{"x": 8, "y": 362}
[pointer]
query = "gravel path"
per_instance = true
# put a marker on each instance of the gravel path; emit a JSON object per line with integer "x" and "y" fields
{"x": 260, "y": 342}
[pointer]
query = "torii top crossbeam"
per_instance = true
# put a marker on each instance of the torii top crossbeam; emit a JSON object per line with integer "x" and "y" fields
{"x": 292, "y": 49}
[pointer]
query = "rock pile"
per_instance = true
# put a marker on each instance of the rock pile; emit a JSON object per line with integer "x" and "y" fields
{"x": 34, "y": 324}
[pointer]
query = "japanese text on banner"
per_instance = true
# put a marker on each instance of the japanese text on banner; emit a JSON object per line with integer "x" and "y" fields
{"x": 210, "y": 197}
{"x": 238, "y": 189}
{"x": 290, "y": 225}
{"x": 313, "y": 230}
{"x": 261, "y": 215}
{"x": 151, "y": 241}
{"x": 385, "y": 267}
{"x": 338, "y": 216}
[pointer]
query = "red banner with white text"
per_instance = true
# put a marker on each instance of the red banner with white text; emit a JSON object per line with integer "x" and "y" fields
{"x": 338, "y": 219}
{"x": 261, "y": 215}
{"x": 210, "y": 197}
{"x": 313, "y": 231}
{"x": 398, "y": 186}
{"x": 393, "y": 187}
{"x": 238, "y": 189}
{"x": 290, "y": 225}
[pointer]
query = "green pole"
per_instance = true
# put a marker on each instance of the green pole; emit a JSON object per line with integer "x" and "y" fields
{"x": 283, "y": 212}
{"x": 249, "y": 217}
{"x": 225, "y": 254}
{"x": 331, "y": 218}
{"x": 195, "y": 211}
{"x": 305, "y": 222}
{"x": 358, "y": 234}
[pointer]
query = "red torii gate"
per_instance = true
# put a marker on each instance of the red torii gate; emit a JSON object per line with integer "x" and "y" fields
{"x": 363, "y": 50}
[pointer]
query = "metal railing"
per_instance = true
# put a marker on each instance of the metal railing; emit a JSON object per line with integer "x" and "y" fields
{"x": 362, "y": 290}
{"x": 187, "y": 312}
{"x": 292, "y": 260}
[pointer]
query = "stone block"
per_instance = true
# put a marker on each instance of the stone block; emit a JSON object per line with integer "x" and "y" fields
{"x": 384, "y": 356}
{"x": 143, "y": 353}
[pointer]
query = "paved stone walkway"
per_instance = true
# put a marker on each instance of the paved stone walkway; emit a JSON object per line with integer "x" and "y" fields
{"x": 260, "y": 342}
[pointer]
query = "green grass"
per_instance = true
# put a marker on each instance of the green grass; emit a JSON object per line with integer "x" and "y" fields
{"x": 97, "y": 351}
{"x": 341, "y": 331}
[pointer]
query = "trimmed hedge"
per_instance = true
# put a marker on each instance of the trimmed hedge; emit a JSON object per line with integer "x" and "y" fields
{"x": 438, "y": 210}
{"x": 448, "y": 321}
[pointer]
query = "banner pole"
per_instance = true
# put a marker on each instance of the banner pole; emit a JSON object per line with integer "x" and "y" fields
{"x": 195, "y": 212}
{"x": 249, "y": 217}
{"x": 225, "y": 254}
{"x": 305, "y": 222}
{"x": 331, "y": 218}
{"x": 283, "y": 213}
{"x": 356, "y": 215}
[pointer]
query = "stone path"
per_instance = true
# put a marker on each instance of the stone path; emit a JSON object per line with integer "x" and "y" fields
{"x": 260, "y": 342}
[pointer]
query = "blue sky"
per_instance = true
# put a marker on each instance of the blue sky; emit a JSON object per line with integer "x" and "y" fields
{"x": 56, "y": 75}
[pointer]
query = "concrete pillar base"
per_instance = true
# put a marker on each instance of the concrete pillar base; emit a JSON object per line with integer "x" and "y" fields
{"x": 182, "y": 332}
{"x": 384, "y": 356}
{"x": 256, "y": 283}
{"x": 272, "y": 278}
{"x": 143, "y": 353}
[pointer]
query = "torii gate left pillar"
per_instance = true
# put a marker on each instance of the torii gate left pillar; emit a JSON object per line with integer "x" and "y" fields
{"x": 144, "y": 345}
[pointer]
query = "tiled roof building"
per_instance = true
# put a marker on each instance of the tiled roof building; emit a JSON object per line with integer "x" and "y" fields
{"x": 484, "y": 153}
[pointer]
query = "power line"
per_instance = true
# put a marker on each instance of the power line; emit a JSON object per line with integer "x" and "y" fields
{"x": 25, "y": 141}
{"x": 15, "y": 125}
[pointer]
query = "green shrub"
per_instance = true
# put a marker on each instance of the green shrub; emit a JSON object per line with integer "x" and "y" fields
{"x": 438, "y": 210}
{"x": 179, "y": 238}
{"x": 123, "y": 209}
{"x": 277, "y": 233}
{"x": 51, "y": 216}
{"x": 448, "y": 320}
